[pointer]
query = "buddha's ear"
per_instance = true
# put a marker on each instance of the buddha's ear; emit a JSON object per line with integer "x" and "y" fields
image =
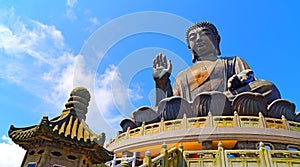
{"x": 194, "y": 56}
{"x": 218, "y": 50}
{"x": 218, "y": 45}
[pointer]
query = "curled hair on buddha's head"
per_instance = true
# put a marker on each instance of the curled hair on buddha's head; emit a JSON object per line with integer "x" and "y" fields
{"x": 208, "y": 25}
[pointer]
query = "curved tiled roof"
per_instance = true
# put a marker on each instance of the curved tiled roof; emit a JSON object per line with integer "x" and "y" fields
{"x": 69, "y": 127}
{"x": 22, "y": 133}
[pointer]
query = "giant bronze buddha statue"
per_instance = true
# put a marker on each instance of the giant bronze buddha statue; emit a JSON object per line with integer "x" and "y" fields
{"x": 230, "y": 75}
{"x": 216, "y": 84}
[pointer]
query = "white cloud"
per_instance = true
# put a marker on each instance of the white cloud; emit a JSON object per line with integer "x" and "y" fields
{"x": 60, "y": 79}
{"x": 94, "y": 24}
{"x": 111, "y": 91}
{"x": 71, "y": 3}
{"x": 34, "y": 56}
{"x": 71, "y": 14}
{"x": 103, "y": 91}
{"x": 70, "y": 9}
{"x": 110, "y": 98}
{"x": 34, "y": 39}
{"x": 94, "y": 21}
{"x": 10, "y": 153}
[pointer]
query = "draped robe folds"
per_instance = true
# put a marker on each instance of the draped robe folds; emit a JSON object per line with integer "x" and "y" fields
{"x": 205, "y": 76}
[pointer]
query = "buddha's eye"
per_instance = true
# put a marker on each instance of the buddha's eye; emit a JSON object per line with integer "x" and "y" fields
{"x": 192, "y": 37}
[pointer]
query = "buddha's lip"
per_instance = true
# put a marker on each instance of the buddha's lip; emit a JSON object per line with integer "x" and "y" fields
{"x": 200, "y": 44}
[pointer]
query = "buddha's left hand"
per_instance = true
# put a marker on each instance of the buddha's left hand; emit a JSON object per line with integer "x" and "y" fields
{"x": 239, "y": 80}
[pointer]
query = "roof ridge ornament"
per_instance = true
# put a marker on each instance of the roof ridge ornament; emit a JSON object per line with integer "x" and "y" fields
{"x": 78, "y": 102}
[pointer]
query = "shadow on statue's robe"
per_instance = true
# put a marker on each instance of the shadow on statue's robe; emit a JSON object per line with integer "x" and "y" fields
{"x": 280, "y": 107}
{"x": 214, "y": 102}
{"x": 174, "y": 108}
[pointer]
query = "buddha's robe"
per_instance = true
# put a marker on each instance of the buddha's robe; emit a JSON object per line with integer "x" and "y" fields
{"x": 205, "y": 76}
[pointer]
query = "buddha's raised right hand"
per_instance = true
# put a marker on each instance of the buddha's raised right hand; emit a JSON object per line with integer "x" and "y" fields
{"x": 161, "y": 70}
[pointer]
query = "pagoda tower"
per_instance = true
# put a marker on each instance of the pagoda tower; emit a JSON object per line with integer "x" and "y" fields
{"x": 63, "y": 141}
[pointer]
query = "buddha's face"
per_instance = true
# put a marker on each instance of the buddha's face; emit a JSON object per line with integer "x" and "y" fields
{"x": 202, "y": 43}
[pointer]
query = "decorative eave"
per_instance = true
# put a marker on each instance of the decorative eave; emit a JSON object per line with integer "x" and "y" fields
{"x": 66, "y": 128}
{"x": 70, "y": 128}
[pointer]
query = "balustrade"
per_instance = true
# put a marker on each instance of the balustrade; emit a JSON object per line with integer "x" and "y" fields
{"x": 209, "y": 121}
{"x": 178, "y": 157}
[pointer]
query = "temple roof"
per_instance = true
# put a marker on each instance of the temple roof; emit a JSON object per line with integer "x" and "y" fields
{"x": 66, "y": 126}
{"x": 69, "y": 127}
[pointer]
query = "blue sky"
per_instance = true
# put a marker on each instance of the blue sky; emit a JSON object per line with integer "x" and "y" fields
{"x": 47, "y": 47}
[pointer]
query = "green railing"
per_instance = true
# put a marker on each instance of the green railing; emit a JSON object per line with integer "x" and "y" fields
{"x": 177, "y": 157}
{"x": 208, "y": 121}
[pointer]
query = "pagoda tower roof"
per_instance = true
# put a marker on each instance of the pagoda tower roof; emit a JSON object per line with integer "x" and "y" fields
{"x": 69, "y": 127}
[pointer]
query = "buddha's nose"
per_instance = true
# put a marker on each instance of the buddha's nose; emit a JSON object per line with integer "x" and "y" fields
{"x": 198, "y": 37}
